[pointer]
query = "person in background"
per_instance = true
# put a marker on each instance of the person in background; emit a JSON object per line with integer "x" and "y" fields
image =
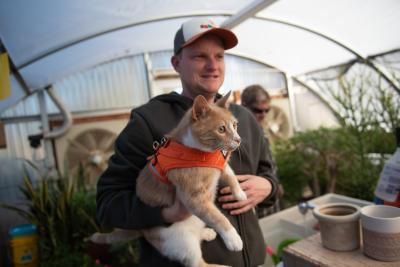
{"x": 199, "y": 49}
{"x": 258, "y": 101}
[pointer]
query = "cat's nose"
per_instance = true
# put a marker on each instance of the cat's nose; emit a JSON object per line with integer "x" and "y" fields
{"x": 237, "y": 139}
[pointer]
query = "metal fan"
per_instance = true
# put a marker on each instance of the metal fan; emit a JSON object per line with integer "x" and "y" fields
{"x": 276, "y": 124}
{"x": 91, "y": 149}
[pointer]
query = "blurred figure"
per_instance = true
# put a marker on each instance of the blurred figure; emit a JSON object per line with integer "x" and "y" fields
{"x": 258, "y": 101}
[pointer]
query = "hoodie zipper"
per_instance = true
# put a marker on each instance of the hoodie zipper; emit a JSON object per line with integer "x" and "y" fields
{"x": 246, "y": 258}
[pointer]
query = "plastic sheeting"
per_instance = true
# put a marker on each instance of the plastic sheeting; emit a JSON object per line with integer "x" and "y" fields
{"x": 49, "y": 40}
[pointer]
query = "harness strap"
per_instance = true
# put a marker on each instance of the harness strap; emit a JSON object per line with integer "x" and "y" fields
{"x": 172, "y": 155}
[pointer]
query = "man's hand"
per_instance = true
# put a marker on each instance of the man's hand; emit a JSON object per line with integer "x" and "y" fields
{"x": 256, "y": 188}
{"x": 175, "y": 213}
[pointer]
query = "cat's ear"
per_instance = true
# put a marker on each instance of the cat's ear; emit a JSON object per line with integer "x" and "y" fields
{"x": 200, "y": 107}
{"x": 223, "y": 101}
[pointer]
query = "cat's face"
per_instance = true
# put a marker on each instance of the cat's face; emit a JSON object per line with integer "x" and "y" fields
{"x": 214, "y": 126}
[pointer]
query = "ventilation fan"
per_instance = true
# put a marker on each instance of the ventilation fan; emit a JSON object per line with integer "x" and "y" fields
{"x": 276, "y": 123}
{"x": 91, "y": 149}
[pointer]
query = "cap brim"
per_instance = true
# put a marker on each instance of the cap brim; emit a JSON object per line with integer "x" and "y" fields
{"x": 228, "y": 38}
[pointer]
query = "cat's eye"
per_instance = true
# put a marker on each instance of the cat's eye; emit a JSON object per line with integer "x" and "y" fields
{"x": 235, "y": 125}
{"x": 221, "y": 129}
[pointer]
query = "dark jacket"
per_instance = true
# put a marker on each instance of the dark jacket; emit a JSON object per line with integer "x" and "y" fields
{"x": 118, "y": 206}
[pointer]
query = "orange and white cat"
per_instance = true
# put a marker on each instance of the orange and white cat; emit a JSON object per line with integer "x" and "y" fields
{"x": 206, "y": 128}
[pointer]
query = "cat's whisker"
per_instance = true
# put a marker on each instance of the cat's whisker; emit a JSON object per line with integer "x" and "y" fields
{"x": 241, "y": 145}
{"x": 221, "y": 147}
{"x": 240, "y": 155}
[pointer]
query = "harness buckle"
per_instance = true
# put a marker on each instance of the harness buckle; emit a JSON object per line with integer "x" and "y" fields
{"x": 156, "y": 146}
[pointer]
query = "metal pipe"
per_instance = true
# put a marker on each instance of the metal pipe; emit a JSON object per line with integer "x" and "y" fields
{"x": 292, "y": 102}
{"x": 48, "y": 159}
{"x": 249, "y": 11}
{"x": 66, "y": 114}
{"x": 149, "y": 75}
{"x": 381, "y": 70}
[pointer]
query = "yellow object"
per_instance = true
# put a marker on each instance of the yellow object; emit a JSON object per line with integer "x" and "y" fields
{"x": 5, "y": 86}
{"x": 25, "y": 251}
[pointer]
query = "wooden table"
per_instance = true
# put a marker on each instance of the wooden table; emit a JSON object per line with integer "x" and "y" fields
{"x": 309, "y": 252}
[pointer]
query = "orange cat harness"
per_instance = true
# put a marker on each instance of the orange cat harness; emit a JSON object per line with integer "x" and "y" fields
{"x": 172, "y": 155}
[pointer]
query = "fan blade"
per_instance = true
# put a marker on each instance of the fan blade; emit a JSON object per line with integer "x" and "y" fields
{"x": 280, "y": 118}
{"x": 92, "y": 149}
{"x": 75, "y": 155}
{"x": 278, "y": 124}
{"x": 75, "y": 144}
{"x": 106, "y": 142}
{"x": 89, "y": 140}
{"x": 271, "y": 114}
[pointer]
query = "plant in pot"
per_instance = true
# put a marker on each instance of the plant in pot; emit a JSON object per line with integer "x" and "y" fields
{"x": 277, "y": 255}
{"x": 63, "y": 210}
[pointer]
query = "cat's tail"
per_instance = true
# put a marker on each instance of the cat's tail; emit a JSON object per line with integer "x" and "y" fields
{"x": 118, "y": 235}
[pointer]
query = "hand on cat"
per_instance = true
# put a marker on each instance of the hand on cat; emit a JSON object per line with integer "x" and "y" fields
{"x": 175, "y": 213}
{"x": 256, "y": 188}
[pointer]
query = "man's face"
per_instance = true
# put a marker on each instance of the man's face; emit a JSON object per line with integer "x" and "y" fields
{"x": 260, "y": 110}
{"x": 201, "y": 67}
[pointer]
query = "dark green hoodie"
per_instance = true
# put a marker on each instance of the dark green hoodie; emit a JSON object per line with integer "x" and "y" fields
{"x": 118, "y": 205}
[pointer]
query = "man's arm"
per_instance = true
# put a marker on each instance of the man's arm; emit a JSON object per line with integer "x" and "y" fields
{"x": 267, "y": 169}
{"x": 117, "y": 203}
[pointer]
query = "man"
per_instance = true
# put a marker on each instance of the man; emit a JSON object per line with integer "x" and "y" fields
{"x": 199, "y": 48}
{"x": 257, "y": 100}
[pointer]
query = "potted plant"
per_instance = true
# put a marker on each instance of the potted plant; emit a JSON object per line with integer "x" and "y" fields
{"x": 277, "y": 255}
{"x": 63, "y": 210}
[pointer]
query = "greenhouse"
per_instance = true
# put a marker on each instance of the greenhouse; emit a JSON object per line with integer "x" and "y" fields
{"x": 72, "y": 71}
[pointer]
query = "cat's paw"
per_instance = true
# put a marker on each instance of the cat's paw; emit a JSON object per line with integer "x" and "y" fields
{"x": 232, "y": 240}
{"x": 208, "y": 234}
{"x": 240, "y": 195}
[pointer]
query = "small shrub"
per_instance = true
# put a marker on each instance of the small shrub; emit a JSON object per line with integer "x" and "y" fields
{"x": 330, "y": 160}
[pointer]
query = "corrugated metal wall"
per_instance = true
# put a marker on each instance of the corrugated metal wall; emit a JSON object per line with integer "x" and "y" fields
{"x": 121, "y": 84}
{"x": 113, "y": 85}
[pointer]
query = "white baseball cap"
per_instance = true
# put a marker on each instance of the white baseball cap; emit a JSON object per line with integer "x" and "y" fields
{"x": 193, "y": 29}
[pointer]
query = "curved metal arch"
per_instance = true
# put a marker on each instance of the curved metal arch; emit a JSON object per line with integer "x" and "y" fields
{"x": 254, "y": 60}
{"x": 319, "y": 96}
{"x": 89, "y": 37}
{"x": 365, "y": 60}
{"x": 359, "y": 56}
{"x": 296, "y": 79}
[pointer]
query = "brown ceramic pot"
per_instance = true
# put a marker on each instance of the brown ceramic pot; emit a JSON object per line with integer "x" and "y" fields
{"x": 339, "y": 225}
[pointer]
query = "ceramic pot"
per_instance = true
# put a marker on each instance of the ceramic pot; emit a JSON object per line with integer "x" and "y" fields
{"x": 339, "y": 226}
{"x": 381, "y": 232}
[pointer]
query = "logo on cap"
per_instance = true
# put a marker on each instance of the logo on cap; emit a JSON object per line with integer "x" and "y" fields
{"x": 207, "y": 26}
